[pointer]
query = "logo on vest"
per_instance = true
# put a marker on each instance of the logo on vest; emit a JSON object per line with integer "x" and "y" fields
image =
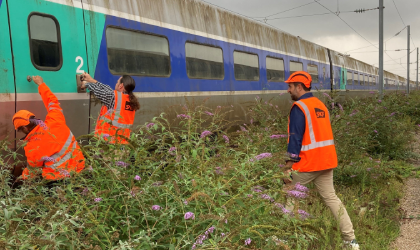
{"x": 128, "y": 106}
{"x": 319, "y": 113}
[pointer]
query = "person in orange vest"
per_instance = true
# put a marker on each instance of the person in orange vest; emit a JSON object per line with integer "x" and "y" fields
{"x": 50, "y": 145}
{"x": 311, "y": 149}
{"x": 118, "y": 110}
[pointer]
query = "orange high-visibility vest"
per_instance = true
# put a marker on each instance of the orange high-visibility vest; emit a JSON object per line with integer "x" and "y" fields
{"x": 52, "y": 146}
{"x": 116, "y": 122}
{"x": 318, "y": 149}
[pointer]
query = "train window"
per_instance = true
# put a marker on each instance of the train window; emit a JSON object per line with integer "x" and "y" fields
{"x": 313, "y": 71}
{"x": 135, "y": 53}
{"x": 204, "y": 62}
{"x": 45, "y": 42}
{"x": 349, "y": 78}
{"x": 246, "y": 66}
{"x": 374, "y": 80}
{"x": 275, "y": 69}
{"x": 295, "y": 66}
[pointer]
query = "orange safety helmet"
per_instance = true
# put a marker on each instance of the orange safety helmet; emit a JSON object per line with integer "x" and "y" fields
{"x": 21, "y": 118}
{"x": 302, "y": 77}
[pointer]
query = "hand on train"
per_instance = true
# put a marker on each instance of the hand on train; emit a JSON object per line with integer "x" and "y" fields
{"x": 38, "y": 80}
{"x": 88, "y": 78}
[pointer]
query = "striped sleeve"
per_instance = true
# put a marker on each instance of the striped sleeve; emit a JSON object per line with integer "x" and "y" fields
{"x": 103, "y": 92}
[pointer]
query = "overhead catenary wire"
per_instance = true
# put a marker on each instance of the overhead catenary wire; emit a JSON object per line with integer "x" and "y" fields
{"x": 402, "y": 20}
{"x": 387, "y": 40}
{"x": 317, "y": 1}
{"x": 287, "y": 10}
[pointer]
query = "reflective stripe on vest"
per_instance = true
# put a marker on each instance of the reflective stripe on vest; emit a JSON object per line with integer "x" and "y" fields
{"x": 63, "y": 151}
{"x": 314, "y": 144}
{"x": 117, "y": 115}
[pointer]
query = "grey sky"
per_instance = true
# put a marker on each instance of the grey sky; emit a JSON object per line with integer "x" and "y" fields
{"x": 330, "y": 31}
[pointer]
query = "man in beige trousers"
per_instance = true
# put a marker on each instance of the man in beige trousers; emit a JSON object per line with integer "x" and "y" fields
{"x": 311, "y": 150}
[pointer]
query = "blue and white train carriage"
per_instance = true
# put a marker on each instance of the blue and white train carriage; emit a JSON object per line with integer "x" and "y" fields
{"x": 172, "y": 48}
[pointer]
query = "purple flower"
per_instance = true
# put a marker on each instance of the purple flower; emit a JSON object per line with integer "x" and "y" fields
{"x": 226, "y": 139}
{"x": 156, "y": 207}
{"x": 249, "y": 195}
{"x": 371, "y": 92}
{"x": 284, "y": 210}
{"x": 327, "y": 95}
{"x": 353, "y": 176}
{"x": 248, "y": 241}
{"x": 137, "y": 178}
{"x": 379, "y": 101}
{"x": 121, "y": 164}
{"x": 341, "y": 107}
{"x": 303, "y": 214}
{"x": 98, "y": 199}
{"x": 332, "y": 105}
{"x": 252, "y": 121}
{"x": 368, "y": 169}
{"x": 262, "y": 156}
{"x": 132, "y": 193}
{"x": 265, "y": 197}
{"x": 205, "y": 134}
{"x": 348, "y": 123}
{"x": 157, "y": 184}
{"x": 222, "y": 235}
{"x": 297, "y": 194}
{"x": 375, "y": 131}
{"x": 225, "y": 221}
{"x": 41, "y": 124}
{"x": 189, "y": 215}
{"x": 171, "y": 150}
{"x": 64, "y": 172}
{"x": 90, "y": 168}
{"x": 105, "y": 136}
{"x": 184, "y": 116}
{"x": 243, "y": 129}
{"x": 218, "y": 171}
{"x": 278, "y": 136}
{"x": 85, "y": 191}
{"x": 211, "y": 229}
{"x": 185, "y": 202}
{"x": 208, "y": 113}
{"x": 301, "y": 188}
{"x": 47, "y": 159}
{"x": 148, "y": 126}
{"x": 337, "y": 116}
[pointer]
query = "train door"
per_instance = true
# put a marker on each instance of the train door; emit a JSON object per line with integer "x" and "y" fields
{"x": 343, "y": 74}
{"x": 48, "y": 39}
{"x": 7, "y": 84}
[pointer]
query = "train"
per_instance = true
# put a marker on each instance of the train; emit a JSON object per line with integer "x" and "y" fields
{"x": 174, "y": 49}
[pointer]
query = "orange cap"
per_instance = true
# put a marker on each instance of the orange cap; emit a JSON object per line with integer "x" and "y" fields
{"x": 21, "y": 118}
{"x": 302, "y": 77}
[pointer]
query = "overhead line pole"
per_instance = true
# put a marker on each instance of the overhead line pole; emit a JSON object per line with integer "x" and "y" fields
{"x": 381, "y": 48}
{"x": 417, "y": 70}
{"x": 408, "y": 59}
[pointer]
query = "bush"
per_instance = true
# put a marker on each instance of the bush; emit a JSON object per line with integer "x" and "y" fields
{"x": 187, "y": 183}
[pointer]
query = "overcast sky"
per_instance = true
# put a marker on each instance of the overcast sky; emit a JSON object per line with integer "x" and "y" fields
{"x": 330, "y": 31}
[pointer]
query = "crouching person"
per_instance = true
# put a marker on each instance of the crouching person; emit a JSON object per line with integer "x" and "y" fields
{"x": 51, "y": 147}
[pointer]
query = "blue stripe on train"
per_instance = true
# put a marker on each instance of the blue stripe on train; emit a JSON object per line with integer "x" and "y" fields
{"x": 178, "y": 81}
{"x": 1, "y": 1}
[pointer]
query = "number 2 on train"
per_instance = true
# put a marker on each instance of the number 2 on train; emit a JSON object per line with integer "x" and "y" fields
{"x": 79, "y": 69}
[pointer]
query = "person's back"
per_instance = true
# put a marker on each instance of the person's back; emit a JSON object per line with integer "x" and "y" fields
{"x": 117, "y": 114}
{"x": 50, "y": 145}
{"x": 312, "y": 151}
